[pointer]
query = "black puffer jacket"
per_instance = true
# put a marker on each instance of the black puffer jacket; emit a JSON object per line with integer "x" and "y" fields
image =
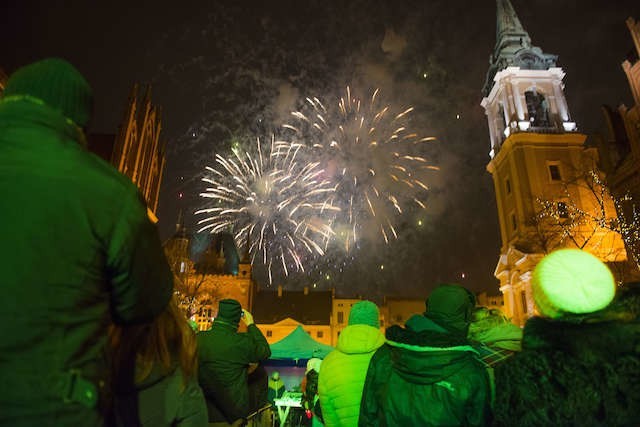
{"x": 572, "y": 373}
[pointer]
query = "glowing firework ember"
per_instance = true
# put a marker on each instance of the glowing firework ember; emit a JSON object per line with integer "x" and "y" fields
{"x": 271, "y": 202}
{"x": 373, "y": 157}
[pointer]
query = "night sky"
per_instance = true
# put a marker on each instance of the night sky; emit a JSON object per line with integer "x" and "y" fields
{"x": 228, "y": 71}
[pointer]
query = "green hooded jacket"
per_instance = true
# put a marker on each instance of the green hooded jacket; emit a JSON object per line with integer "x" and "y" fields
{"x": 343, "y": 372}
{"x": 78, "y": 253}
{"x": 425, "y": 378}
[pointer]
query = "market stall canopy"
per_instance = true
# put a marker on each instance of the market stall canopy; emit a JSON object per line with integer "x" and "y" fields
{"x": 298, "y": 345}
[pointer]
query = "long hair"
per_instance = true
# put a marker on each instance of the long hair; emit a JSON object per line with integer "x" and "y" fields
{"x": 163, "y": 343}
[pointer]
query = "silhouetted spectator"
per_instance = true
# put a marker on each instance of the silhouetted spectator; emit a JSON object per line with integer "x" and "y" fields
{"x": 343, "y": 371}
{"x": 427, "y": 374}
{"x": 165, "y": 391}
{"x": 276, "y": 387}
{"x": 224, "y": 357}
{"x": 258, "y": 386}
{"x": 80, "y": 253}
{"x": 310, "y": 399}
{"x": 580, "y": 362}
{"x": 494, "y": 336}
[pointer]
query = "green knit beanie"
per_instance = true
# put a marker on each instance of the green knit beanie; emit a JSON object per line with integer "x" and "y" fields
{"x": 229, "y": 311}
{"x": 571, "y": 281}
{"x": 58, "y": 84}
{"x": 364, "y": 313}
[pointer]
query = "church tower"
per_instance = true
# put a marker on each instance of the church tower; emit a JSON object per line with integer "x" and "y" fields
{"x": 535, "y": 151}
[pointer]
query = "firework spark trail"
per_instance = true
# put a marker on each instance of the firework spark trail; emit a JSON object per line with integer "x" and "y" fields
{"x": 372, "y": 156}
{"x": 272, "y": 202}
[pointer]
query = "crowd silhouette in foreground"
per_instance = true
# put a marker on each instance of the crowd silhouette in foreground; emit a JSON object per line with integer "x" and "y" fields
{"x": 91, "y": 334}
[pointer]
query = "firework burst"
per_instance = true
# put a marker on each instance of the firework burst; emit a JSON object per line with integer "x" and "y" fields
{"x": 372, "y": 156}
{"x": 271, "y": 202}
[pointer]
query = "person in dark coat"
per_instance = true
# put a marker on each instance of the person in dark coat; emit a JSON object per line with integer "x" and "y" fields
{"x": 224, "y": 357}
{"x": 79, "y": 253}
{"x": 580, "y": 359}
{"x": 164, "y": 390}
{"x": 427, "y": 374}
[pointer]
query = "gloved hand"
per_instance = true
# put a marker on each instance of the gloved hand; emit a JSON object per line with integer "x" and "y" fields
{"x": 247, "y": 318}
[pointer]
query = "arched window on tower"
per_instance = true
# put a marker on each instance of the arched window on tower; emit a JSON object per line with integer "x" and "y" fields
{"x": 538, "y": 108}
{"x": 500, "y": 120}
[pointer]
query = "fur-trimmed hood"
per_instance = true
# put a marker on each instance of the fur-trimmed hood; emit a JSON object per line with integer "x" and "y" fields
{"x": 572, "y": 371}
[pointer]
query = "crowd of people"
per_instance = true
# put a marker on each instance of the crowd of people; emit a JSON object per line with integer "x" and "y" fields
{"x": 91, "y": 334}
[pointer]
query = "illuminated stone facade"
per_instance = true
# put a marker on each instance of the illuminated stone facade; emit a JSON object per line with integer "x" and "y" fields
{"x": 138, "y": 151}
{"x": 278, "y": 313}
{"x": 276, "y": 331}
{"x": 535, "y": 151}
{"x": 217, "y": 274}
{"x": 620, "y": 149}
{"x": 340, "y": 309}
{"x": 490, "y": 301}
{"x": 397, "y": 311}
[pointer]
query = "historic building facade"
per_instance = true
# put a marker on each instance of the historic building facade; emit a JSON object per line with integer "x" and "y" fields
{"x": 278, "y": 313}
{"x": 620, "y": 149}
{"x": 539, "y": 165}
{"x": 138, "y": 151}
{"x": 204, "y": 277}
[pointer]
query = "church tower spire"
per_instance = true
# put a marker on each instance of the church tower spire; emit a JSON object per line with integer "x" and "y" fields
{"x": 509, "y": 30}
{"x": 535, "y": 151}
{"x": 523, "y": 91}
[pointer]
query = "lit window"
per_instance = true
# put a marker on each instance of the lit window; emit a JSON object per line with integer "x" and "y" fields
{"x": 183, "y": 266}
{"x": 554, "y": 172}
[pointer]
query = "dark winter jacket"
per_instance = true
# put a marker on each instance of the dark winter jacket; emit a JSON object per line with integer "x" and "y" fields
{"x": 572, "y": 373}
{"x": 78, "y": 252}
{"x": 223, "y": 357}
{"x": 163, "y": 400}
{"x": 425, "y": 378}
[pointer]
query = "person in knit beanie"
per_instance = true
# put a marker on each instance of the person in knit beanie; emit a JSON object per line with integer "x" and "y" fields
{"x": 225, "y": 356}
{"x": 229, "y": 312}
{"x": 427, "y": 373}
{"x": 494, "y": 336}
{"x": 83, "y": 253}
{"x": 365, "y": 313}
{"x": 343, "y": 371}
{"x": 56, "y": 84}
{"x": 578, "y": 366}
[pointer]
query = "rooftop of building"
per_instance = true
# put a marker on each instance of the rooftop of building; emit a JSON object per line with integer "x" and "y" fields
{"x": 308, "y": 307}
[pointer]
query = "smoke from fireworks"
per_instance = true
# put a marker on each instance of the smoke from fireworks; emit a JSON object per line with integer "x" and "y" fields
{"x": 372, "y": 156}
{"x": 271, "y": 202}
